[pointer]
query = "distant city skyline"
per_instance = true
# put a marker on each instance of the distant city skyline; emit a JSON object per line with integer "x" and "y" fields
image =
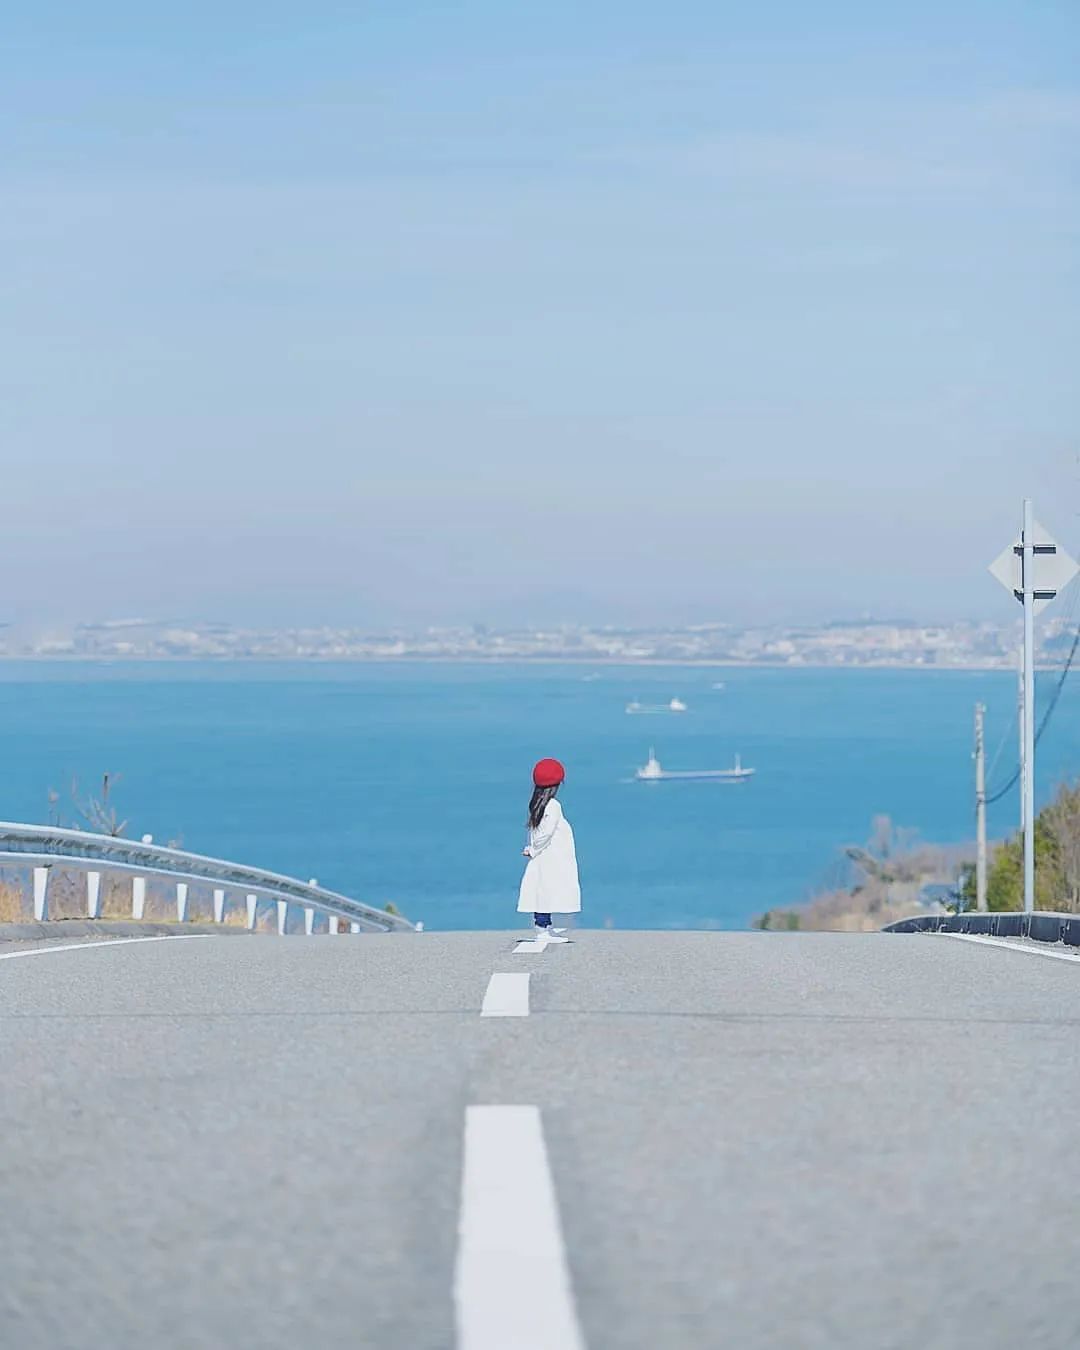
{"x": 865, "y": 643}
{"x": 623, "y": 313}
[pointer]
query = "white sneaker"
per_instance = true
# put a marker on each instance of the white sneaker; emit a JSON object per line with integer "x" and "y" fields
{"x": 553, "y": 935}
{"x": 556, "y": 930}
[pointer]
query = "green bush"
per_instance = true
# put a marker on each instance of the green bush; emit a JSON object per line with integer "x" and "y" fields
{"x": 1057, "y": 855}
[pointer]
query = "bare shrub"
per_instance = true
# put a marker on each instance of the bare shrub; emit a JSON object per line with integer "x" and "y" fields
{"x": 97, "y": 811}
{"x": 885, "y": 882}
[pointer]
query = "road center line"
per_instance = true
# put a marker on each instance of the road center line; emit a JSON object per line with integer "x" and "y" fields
{"x": 507, "y": 996}
{"x": 108, "y": 942}
{"x": 511, "y": 1284}
{"x": 1011, "y": 946}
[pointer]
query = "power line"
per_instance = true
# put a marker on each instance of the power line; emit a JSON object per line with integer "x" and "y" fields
{"x": 1007, "y": 735}
{"x": 1054, "y": 697}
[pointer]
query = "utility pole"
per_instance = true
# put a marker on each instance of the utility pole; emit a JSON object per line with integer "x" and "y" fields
{"x": 980, "y": 809}
{"x": 1028, "y": 574}
{"x": 1035, "y": 570}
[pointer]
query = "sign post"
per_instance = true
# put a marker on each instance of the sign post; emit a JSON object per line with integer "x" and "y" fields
{"x": 1027, "y": 572}
{"x": 1036, "y": 570}
{"x": 980, "y": 809}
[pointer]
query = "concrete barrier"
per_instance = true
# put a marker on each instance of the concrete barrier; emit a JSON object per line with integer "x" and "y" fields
{"x": 1042, "y": 926}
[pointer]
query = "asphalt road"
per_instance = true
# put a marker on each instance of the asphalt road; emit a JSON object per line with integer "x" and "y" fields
{"x": 752, "y": 1140}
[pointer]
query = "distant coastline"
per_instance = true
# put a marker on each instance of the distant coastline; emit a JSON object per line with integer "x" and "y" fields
{"x": 612, "y": 663}
{"x": 866, "y": 644}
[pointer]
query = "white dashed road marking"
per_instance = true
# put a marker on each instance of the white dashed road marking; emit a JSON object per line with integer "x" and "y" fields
{"x": 511, "y": 1285}
{"x": 506, "y": 996}
{"x": 537, "y": 944}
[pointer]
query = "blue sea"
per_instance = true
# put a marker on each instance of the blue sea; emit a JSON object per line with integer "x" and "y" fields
{"x": 409, "y": 783}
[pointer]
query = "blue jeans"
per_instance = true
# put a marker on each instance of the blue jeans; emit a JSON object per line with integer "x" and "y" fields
{"x": 542, "y": 920}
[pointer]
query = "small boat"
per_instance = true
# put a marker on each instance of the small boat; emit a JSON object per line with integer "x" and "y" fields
{"x": 675, "y": 706}
{"x": 719, "y": 685}
{"x": 653, "y": 773}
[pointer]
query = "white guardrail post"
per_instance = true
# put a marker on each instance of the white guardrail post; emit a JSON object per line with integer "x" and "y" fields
{"x": 282, "y": 916}
{"x": 219, "y": 904}
{"x": 41, "y": 894}
{"x": 93, "y": 894}
{"x": 252, "y": 911}
{"x": 181, "y": 901}
{"x": 138, "y": 897}
{"x": 332, "y": 924}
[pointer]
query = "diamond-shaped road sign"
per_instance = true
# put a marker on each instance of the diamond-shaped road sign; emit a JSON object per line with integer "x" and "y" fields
{"x": 1054, "y": 569}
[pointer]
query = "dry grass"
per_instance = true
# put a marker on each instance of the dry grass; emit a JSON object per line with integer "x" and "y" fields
{"x": 845, "y": 912}
{"x": 236, "y": 914}
{"x": 115, "y": 896}
{"x": 13, "y": 909}
{"x": 67, "y": 894}
{"x": 67, "y": 899}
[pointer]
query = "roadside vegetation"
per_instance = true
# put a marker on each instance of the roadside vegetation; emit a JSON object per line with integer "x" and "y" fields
{"x": 1057, "y": 861}
{"x": 894, "y": 876}
{"x": 878, "y": 882}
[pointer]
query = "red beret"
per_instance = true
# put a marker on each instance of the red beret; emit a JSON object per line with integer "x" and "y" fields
{"x": 548, "y": 773}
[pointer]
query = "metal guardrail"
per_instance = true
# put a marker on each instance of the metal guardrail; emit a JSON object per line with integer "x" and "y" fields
{"x": 44, "y": 847}
{"x": 1041, "y": 926}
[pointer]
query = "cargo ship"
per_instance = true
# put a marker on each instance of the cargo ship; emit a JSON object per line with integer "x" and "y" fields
{"x": 652, "y": 772}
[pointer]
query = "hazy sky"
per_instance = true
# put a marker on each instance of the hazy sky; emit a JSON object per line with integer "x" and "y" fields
{"x": 486, "y": 311}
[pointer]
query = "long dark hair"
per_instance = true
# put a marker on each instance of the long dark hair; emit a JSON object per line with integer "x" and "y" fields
{"x": 538, "y": 804}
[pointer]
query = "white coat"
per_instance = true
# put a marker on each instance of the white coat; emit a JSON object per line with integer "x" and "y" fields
{"x": 550, "y": 884}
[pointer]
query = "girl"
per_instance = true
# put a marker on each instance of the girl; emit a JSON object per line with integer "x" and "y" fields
{"x": 550, "y": 884}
